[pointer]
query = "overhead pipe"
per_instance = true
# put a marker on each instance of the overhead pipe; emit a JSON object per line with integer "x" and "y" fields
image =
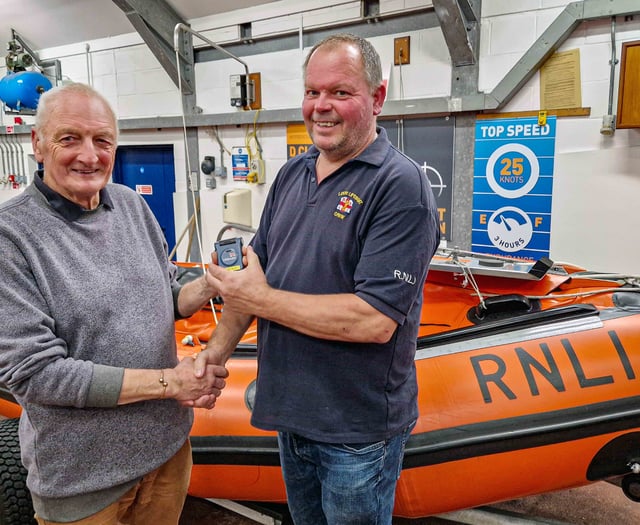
{"x": 12, "y": 165}
{"x": 176, "y": 47}
{"x": 608, "y": 121}
{"x": 10, "y": 171}
{"x": 42, "y": 64}
{"x": 6, "y": 152}
{"x": 612, "y": 63}
{"x": 301, "y": 34}
{"x": 89, "y": 62}
{"x": 22, "y": 171}
{"x": 14, "y": 159}
{"x": 5, "y": 165}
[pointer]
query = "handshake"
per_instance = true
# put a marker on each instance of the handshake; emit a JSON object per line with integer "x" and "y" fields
{"x": 193, "y": 386}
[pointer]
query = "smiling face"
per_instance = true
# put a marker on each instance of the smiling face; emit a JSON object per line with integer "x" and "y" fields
{"x": 339, "y": 108}
{"x": 76, "y": 142}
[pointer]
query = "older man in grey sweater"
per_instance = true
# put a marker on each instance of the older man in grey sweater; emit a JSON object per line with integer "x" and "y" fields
{"x": 87, "y": 345}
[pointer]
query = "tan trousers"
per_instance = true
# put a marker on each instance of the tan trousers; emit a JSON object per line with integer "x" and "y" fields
{"x": 157, "y": 499}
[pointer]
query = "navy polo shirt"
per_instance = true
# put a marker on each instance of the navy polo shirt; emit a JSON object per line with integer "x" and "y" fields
{"x": 370, "y": 228}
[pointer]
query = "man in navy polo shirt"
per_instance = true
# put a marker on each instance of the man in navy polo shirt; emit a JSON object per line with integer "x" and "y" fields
{"x": 335, "y": 275}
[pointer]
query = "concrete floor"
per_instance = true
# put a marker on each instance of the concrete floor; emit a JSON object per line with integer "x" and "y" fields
{"x": 597, "y": 504}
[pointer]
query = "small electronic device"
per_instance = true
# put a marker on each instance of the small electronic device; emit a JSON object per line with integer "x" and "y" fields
{"x": 230, "y": 253}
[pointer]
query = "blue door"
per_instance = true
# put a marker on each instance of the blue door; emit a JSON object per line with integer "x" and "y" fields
{"x": 149, "y": 170}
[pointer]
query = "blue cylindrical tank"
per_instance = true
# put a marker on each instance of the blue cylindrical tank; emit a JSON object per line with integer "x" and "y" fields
{"x": 22, "y": 90}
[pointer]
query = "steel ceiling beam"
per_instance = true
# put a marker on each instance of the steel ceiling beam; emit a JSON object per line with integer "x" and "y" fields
{"x": 155, "y": 21}
{"x": 457, "y": 19}
{"x": 384, "y": 25}
{"x": 465, "y": 100}
{"x": 553, "y": 37}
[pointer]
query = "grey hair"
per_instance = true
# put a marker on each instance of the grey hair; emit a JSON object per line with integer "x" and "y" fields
{"x": 48, "y": 98}
{"x": 370, "y": 58}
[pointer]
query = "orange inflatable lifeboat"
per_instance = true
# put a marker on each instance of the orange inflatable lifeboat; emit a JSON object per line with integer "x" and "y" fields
{"x": 528, "y": 383}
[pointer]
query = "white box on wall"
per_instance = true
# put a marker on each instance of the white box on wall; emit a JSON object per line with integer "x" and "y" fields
{"x": 236, "y": 207}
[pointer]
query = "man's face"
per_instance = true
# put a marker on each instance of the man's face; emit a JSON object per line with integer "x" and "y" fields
{"x": 339, "y": 109}
{"x": 77, "y": 145}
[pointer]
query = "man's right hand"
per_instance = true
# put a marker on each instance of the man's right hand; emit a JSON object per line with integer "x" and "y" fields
{"x": 196, "y": 389}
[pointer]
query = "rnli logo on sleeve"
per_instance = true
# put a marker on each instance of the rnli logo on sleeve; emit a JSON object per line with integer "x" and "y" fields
{"x": 347, "y": 200}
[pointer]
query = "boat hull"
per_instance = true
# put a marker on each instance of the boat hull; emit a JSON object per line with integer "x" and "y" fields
{"x": 507, "y": 409}
{"x": 528, "y": 383}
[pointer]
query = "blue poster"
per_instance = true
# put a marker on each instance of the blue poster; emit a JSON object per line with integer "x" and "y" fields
{"x": 512, "y": 187}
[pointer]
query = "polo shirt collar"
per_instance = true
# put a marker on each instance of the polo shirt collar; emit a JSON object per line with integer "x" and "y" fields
{"x": 68, "y": 209}
{"x": 374, "y": 153}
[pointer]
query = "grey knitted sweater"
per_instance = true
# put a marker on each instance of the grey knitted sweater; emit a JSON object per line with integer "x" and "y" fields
{"x": 80, "y": 301}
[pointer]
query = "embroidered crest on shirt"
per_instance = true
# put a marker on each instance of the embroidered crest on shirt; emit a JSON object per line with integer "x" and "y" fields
{"x": 345, "y": 204}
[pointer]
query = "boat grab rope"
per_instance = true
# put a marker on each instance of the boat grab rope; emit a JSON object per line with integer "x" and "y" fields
{"x": 585, "y": 294}
{"x": 468, "y": 278}
{"x": 632, "y": 281}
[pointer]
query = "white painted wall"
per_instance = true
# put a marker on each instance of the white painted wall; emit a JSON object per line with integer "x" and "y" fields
{"x": 597, "y": 178}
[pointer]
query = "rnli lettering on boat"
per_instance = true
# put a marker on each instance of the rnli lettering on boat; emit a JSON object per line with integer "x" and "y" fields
{"x": 500, "y": 375}
{"x": 404, "y": 276}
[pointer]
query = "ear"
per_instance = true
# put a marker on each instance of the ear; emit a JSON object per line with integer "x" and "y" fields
{"x": 36, "y": 144}
{"x": 378, "y": 98}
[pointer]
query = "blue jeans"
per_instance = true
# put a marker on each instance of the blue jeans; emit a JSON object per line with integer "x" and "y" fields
{"x": 341, "y": 484}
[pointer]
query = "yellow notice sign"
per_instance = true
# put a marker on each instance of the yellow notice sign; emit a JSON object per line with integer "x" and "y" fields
{"x": 298, "y": 140}
{"x": 560, "y": 81}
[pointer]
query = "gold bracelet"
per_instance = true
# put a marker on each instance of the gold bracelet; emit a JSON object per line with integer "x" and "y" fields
{"x": 163, "y": 383}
